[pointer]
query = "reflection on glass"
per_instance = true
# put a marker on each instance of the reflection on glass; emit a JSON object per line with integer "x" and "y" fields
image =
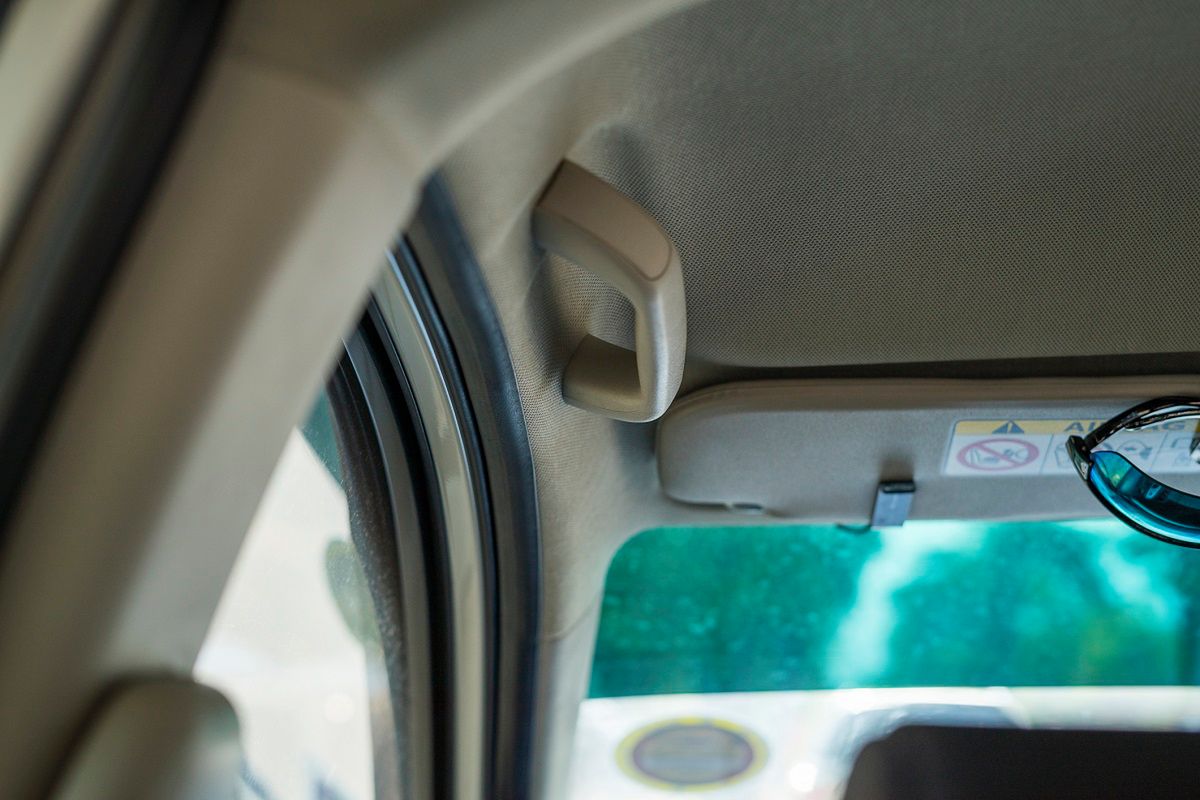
{"x": 294, "y": 644}
{"x": 1160, "y": 509}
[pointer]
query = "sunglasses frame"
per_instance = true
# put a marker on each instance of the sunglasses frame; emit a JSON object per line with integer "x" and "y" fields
{"x": 1143, "y": 415}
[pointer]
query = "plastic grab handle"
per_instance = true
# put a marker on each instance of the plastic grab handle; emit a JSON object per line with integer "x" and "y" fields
{"x": 587, "y": 221}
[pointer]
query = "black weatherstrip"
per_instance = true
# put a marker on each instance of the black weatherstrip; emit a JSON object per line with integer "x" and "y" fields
{"x": 91, "y": 192}
{"x": 397, "y": 524}
{"x": 474, "y": 340}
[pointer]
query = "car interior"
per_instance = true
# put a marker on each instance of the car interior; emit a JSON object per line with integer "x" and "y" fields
{"x": 609, "y": 399}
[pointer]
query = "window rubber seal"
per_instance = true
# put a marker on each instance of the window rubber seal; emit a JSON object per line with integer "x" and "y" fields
{"x": 438, "y": 264}
{"x": 397, "y": 525}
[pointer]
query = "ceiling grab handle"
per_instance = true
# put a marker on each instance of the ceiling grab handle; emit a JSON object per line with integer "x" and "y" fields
{"x": 587, "y": 221}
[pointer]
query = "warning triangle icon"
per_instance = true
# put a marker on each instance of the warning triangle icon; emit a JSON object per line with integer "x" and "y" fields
{"x": 1009, "y": 427}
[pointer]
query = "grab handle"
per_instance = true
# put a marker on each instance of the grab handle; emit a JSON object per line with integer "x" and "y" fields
{"x": 590, "y": 223}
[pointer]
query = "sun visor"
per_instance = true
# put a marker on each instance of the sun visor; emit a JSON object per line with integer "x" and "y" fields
{"x": 820, "y": 450}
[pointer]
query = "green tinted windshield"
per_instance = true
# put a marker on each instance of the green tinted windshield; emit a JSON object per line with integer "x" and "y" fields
{"x": 929, "y": 604}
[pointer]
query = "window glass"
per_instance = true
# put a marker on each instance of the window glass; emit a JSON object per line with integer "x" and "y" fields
{"x": 778, "y": 652}
{"x": 294, "y": 644}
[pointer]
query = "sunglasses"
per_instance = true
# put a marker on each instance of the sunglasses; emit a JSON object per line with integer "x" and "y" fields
{"x": 1140, "y": 501}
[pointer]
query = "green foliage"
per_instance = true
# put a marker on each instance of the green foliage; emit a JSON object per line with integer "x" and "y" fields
{"x": 724, "y": 609}
{"x": 1029, "y": 605}
{"x": 948, "y": 604}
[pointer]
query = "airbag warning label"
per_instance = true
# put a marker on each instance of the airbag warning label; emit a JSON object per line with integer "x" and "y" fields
{"x": 982, "y": 447}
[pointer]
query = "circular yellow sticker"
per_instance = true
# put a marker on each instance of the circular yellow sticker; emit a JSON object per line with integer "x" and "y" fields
{"x": 691, "y": 754}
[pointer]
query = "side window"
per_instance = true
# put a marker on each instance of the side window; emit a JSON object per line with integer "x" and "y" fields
{"x": 295, "y": 645}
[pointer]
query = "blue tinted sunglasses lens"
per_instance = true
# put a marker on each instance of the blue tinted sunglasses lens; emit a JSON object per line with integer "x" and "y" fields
{"x": 1150, "y": 505}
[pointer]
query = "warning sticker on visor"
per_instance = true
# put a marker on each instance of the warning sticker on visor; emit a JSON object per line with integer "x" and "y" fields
{"x": 983, "y": 447}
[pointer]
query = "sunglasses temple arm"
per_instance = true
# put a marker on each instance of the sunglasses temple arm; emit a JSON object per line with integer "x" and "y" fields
{"x": 1163, "y": 416}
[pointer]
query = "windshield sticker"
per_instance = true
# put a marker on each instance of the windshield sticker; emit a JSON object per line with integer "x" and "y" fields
{"x": 983, "y": 447}
{"x": 691, "y": 754}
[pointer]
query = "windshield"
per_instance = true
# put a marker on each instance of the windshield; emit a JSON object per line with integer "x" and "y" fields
{"x": 755, "y": 662}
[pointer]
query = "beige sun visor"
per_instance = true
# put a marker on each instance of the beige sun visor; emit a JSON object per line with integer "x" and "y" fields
{"x": 818, "y": 450}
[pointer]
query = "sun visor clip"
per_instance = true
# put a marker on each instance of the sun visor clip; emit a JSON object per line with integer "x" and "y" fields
{"x": 893, "y": 501}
